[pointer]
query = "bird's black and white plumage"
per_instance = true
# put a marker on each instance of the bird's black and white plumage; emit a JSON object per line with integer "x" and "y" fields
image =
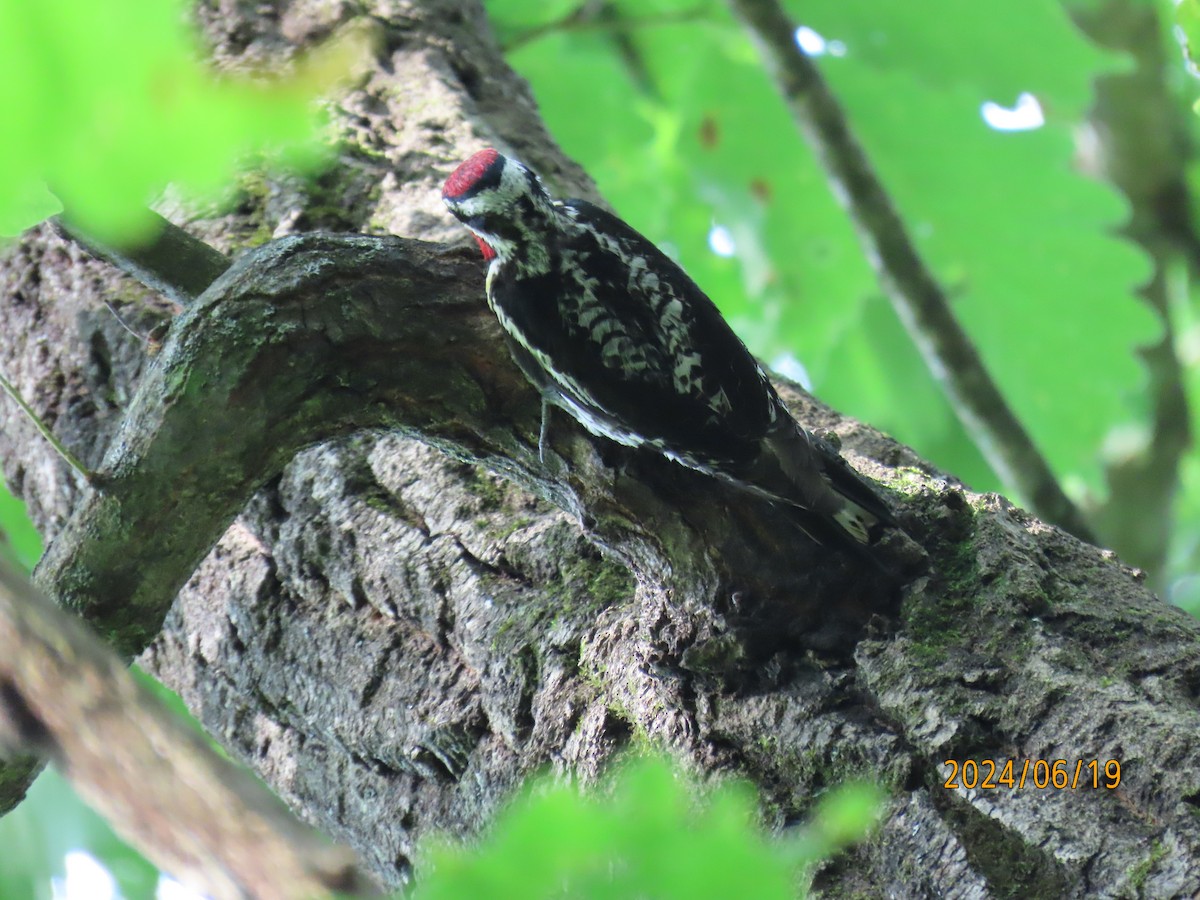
{"x": 613, "y": 331}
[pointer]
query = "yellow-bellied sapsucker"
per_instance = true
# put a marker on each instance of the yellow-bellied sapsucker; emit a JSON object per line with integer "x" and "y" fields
{"x": 608, "y": 328}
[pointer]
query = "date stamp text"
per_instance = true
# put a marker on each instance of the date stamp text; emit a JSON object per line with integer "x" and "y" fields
{"x": 1017, "y": 774}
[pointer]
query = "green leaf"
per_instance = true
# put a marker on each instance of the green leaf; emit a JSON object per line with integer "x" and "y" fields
{"x": 19, "y": 540}
{"x": 587, "y": 58}
{"x": 875, "y": 370}
{"x": 656, "y": 835}
{"x": 107, "y": 103}
{"x": 844, "y": 816}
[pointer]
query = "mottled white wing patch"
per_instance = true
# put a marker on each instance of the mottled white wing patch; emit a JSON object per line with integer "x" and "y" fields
{"x": 856, "y": 520}
{"x": 672, "y": 348}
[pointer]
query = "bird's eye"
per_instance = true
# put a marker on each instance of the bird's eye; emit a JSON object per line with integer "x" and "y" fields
{"x": 494, "y": 224}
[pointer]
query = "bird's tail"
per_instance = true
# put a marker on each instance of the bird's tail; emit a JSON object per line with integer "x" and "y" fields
{"x": 835, "y": 504}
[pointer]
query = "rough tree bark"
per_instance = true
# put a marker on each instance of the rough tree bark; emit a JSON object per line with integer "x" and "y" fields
{"x": 393, "y": 635}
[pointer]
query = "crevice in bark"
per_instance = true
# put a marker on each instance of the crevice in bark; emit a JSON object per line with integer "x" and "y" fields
{"x": 1010, "y": 865}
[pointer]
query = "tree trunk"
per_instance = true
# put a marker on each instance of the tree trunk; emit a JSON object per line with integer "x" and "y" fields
{"x": 405, "y": 613}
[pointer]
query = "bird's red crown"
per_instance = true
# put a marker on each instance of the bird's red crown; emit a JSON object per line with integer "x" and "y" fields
{"x": 468, "y": 173}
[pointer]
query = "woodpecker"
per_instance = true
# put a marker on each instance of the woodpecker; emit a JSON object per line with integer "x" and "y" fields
{"x": 608, "y": 328}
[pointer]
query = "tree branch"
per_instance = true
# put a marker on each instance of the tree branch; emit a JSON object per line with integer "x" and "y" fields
{"x": 591, "y": 15}
{"x": 173, "y": 262}
{"x": 192, "y": 812}
{"x": 318, "y": 336}
{"x": 914, "y": 292}
{"x": 307, "y": 339}
{"x": 43, "y": 429}
{"x": 1138, "y": 140}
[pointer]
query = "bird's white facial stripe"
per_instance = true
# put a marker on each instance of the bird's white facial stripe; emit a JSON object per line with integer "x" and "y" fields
{"x": 514, "y": 181}
{"x": 493, "y": 266}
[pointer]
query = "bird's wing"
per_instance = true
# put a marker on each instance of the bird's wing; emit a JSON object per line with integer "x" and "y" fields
{"x": 695, "y": 329}
{"x": 635, "y": 340}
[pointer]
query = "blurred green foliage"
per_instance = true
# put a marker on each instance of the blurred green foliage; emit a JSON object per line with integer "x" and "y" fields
{"x": 107, "y": 102}
{"x": 19, "y": 540}
{"x": 656, "y": 834}
{"x": 52, "y": 822}
{"x": 1187, "y": 17}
